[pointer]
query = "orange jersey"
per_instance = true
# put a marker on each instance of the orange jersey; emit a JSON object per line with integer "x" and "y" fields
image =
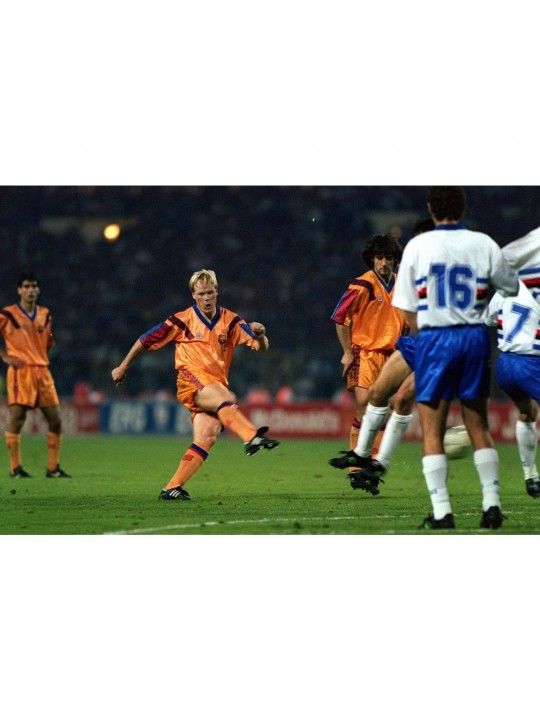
{"x": 367, "y": 308}
{"x": 202, "y": 346}
{"x": 27, "y": 337}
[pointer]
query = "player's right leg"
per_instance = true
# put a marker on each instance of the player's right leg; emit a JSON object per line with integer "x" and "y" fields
{"x": 527, "y": 442}
{"x": 369, "y": 476}
{"x": 391, "y": 377}
{"x": 17, "y": 417}
{"x": 206, "y": 430}
{"x": 215, "y": 397}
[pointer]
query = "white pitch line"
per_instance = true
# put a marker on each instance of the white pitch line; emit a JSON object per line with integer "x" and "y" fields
{"x": 261, "y": 521}
{"x": 211, "y": 523}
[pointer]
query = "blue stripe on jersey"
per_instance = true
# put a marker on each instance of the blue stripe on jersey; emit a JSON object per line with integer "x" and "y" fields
{"x": 452, "y": 226}
{"x": 245, "y": 326}
{"x": 155, "y": 334}
{"x": 210, "y": 324}
{"x": 30, "y": 317}
{"x": 421, "y": 280}
{"x": 422, "y": 307}
{"x": 529, "y": 271}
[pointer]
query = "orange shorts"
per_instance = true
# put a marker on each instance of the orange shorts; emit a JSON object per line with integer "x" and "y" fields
{"x": 188, "y": 385}
{"x": 31, "y": 386}
{"x": 366, "y": 367}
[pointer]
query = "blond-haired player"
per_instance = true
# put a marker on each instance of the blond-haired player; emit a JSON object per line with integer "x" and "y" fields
{"x": 205, "y": 336}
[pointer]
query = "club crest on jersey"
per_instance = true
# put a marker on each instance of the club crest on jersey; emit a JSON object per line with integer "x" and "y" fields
{"x": 199, "y": 336}
{"x": 222, "y": 338}
{"x": 40, "y": 328}
{"x": 379, "y": 298}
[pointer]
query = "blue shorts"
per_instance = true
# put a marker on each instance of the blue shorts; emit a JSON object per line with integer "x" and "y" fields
{"x": 453, "y": 362}
{"x": 519, "y": 375}
{"x": 406, "y": 345}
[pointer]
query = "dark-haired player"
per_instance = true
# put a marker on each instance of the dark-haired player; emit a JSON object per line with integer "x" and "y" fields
{"x": 367, "y": 324}
{"x": 442, "y": 288}
{"x": 27, "y": 331}
{"x": 393, "y": 386}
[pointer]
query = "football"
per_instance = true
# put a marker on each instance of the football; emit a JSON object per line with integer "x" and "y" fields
{"x": 456, "y": 442}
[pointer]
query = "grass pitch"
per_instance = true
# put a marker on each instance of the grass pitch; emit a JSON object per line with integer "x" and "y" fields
{"x": 287, "y": 491}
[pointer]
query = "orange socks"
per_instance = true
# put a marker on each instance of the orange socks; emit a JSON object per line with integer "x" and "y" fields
{"x": 231, "y": 418}
{"x": 193, "y": 458}
{"x": 53, "y": 446}
{"x": 13, "y": 443}
{"x": 234, "y": 419}
{"x": 378, "y": 440}
{"x": 354, "y": 433}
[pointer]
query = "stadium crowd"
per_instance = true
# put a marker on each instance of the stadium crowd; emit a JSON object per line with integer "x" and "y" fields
{"x": 283, "y": 255}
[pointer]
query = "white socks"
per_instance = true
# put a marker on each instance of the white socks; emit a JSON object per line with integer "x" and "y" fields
{"x": 486, "y": 462}
{"x": 372, "y": 422}
{"x": 435, "y": 468}
{"x": 527, "y": 442}
{"x": 395, "y": 429}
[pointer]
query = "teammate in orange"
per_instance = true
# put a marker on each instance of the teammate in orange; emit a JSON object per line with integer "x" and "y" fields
{"x": 367, "y": 324}
{"x": 27, "y": 331}
{"x": 205, "y": 336}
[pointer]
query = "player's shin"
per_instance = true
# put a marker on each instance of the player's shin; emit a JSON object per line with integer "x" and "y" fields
{"x": 486, "y": 462}
{"x": 435, "y": 468}
{"x": 527, "y": 441}
{"x": 234, "y": 420}
{"x": 191, "y": 461}
{"x": 13, "y": 444}
{"x": 372, "y": 422}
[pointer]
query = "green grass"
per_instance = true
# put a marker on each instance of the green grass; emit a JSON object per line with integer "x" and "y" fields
{"x": 290, "y": 490}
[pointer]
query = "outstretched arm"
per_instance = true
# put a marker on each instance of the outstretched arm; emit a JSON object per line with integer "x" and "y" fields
{"x": 119, "y": 373}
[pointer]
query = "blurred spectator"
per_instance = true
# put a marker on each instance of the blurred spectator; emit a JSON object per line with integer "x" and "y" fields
{"x": 101, "y": 292}
{"x": 285, "y": 395}
{"x": 258, "y": 395}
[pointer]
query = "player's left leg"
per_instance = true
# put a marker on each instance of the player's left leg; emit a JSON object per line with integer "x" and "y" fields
{"x": 398, "y": 423}
{"x": 435, "y": 463}
{"x": 54, "y": 441}
{"x": 486, "y": 459}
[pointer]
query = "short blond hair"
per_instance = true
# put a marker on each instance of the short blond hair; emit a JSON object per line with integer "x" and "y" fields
{"x": 207, "y": 276}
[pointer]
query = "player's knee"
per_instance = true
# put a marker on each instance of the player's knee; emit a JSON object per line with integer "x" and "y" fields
{"x": 16, "y": 420}
{"x": 209, "y": 437}
{"x": 403, "y": 403}
{"x": 54, "y": 423}
{"x": 377, "y": 397}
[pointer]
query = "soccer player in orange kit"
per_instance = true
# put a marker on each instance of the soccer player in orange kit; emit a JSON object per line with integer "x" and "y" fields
{"x": 367, "y": 324}
{"x": 27, "y": 331}
{"x": 205, "y": 336}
